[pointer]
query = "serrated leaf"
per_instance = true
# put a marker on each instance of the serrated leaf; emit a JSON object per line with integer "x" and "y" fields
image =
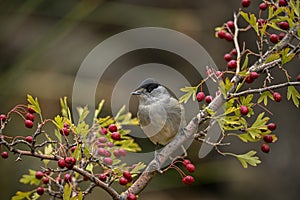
{"x": 34, "y": 104}
{"x": 58, "y": 122}
{"x": 90, "y": 168}
{"x": 264, "y": 97}
{"x": 83, "y": 113}
{"x": 47, "y": 151}
{"x": 285, "y": 56}
{"x": 99, "y": 109}
{"x": 248, "y": 158}
{"x": 65, "y": 110}
{"x": 67, "y": 192}
{"x": 77, "y": 197}
{"x": 190, "y": 92}
{"x": 125, "y": 118}
{"x": 251, "y": 19}
{"x": 272, "y": 57}
{"x": 30, "y": 179}
{"x": 245, "y": 64}
{"x": 295, "y": 6}
{"x": 224, "y": 87}
{"x": 292, "y": 92}
{"x": 22, "y": 195}
{"x": 245, "y": 137}
{"x": 82, "y": 129}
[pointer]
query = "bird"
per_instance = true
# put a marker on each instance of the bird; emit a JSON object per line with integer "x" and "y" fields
{"x": 160, "y": 115}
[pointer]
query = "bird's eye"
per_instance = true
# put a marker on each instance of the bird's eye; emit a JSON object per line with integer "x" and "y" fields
{"x": 151, "y": 87}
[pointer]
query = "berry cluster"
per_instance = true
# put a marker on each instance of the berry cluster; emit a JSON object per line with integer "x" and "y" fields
{"x": 268, "y": 138}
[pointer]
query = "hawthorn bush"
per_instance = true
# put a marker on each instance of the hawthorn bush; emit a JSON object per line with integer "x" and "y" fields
{"x": 78, "y": 157}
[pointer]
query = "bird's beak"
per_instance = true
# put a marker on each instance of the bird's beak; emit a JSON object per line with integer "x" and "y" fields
{"x": 136, "y": 93}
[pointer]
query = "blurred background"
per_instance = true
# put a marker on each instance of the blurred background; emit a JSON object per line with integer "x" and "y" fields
{"x": 43, "y": 43}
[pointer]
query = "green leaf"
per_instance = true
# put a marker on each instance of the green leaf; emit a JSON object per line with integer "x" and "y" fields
{"x": 67, "y": 192}
{"x": 83, "y": 113}
{"x": 245, "y": 64}
{"x": 34, "y": 104}
{"x": 295, "y": 6}
{"x": 58, "y": 135}
{"x": 22, "y": 195}
{"x": 138, "y": 168}
{"x": 65, "y": 110}
{"x": 90, "y": 168}
{"x": 58, "y": 122}
{"x": 190, "y": 91}
{"x": 272, "y": 57}
{"x": 47, "y": 151}
{"x": 77, "y": 197}
{"x": 292, "y": 92}
{"x": 245, "y": 137}
{"x": 30, "y": 179}
{"x": 264, "y": 97}
{"x": 224, "y": 87}
{"x": 248, "y": 158}
{"x": 100, "y": 106}
{"x": 125, "y": 118}
{"x": 251, "y": 19}
{"x": 285, "y": 57}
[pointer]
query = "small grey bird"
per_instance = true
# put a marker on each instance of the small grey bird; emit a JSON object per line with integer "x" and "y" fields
{"x": 160, "y": 115}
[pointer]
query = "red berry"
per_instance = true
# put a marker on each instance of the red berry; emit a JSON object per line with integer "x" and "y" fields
{"x": 101, "y": 151}
{"x": 131, "y": 197}
{"x": 190, "y": 168}
{"x": 30, "y": 116}
{"x": 228, "y": 37}
{"x": 58, "y": 180}
{"x": 227, "y": 57}
{"x": 277, "y": 96}
{"x": 103, "y": 131}
{"x": 102, "y": 140}
{"x": 298, "y": 77}
{"x": 246, "y": 3}
{"x": 73, "y": 148}
{"x": 102, "y": 177}
{"x": 29, "y": 139}
{"x": 244, "y": 110}
{"x": 221, "y": 34}
{"x": 4, "y": 154}
{"x": 28, "y": 123}
{"x": 268, "y": 138}
{"x": 233, "y": 52}
{"x": 65, "y": 131}
{"x": 112, "y": 128}
{"x": 186, "y": 161}
{"x": 40, "y": 191}
{"x": 116, "y": 153}
{"x": 281, "y": 36}
{"x": 253, "y": 75}
{"x": 271, "y": 126}
{"x": 46, "y": 180}
{"x": 208, "y": 99}
{"x": 248, "y": 79}
{"x": 263, "y": 6}
{"x": 230, "y": 24}
{"x": 61, "y": 163}
{"x": 219, "y": 74}
{"x": 187, "y": 180}
{"x": 73, "y": 160}
{"x": 108, "y": 160}
{"x": 282, "y": 2}
{"x": 127, "y": 175}
{"x": 274, "y": 38}
{"x": 30, "y": 110}
{"x": 123, "y": 181}
{"x": 69, "y": 165}
{"x": 116, "y": 136}
{"x": 110, "y": 144}
{"x": 39, "y": 175}
{"x": 3, "y": 117}
{"x": 284, "y": 25}
{"x": 67, "y": 178}
{"x": 200, "y": 96}
{"x": 232, "y": 64}
{"x": 265, "y": 148}
{"x": 122, "y": 152}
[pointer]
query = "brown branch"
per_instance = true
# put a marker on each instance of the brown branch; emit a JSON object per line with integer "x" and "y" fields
{"x": 259, "y": 90}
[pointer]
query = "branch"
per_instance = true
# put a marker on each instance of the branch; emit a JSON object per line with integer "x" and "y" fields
{"x": 259, "y": 90}
{"x": 201, "y": 117}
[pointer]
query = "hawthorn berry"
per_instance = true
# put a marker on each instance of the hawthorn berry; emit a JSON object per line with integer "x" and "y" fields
{"x": 248, "y": 79}
{"x": 227, "y": 57}
{"x": 246, "y": 3}
{"x": 73, "y": 160}
{"x": 261, "y": 22}
{"x": 230, "y": 24}
{"x": 58, "y": 180}
{"x": 30, "y": 116}
{"x": 30, "y": 110}
{"x": 228, "y": 37}
{"x": 116, "y": 153}
{"x": 40, "y": 191}
{"x": 244, "y": 110}
{"x": 45, "y": 180}
{"x": 274, "y": 38}
{"x": 281, "y": 36}
{"x": 282, "y": 2}
{"x": 112, "y": 128}
{"x": 115, "y": 136}
{"x": 28, "y": 123}
{"x": 221, "y": 34}
{"x": 187, "y": 180}
{"x": 65, "y": 131}
{"x": 271, "y": 126}
{"x": 61, "y": 163}
{"x": 253, "y": 75}
{"x": 208, "y": 99}
{"x": 219, "y": 74}
{"x": 103, "y": 131}
{"x": 67, "y": 178}
{"x": 102, "y": 140}
{"x": 284, "y": 25}
{"x": 200, "y": 96}
{"x": 101, "y": 151}
{"x": 29, "y": 139}
{"x": 265, "y": 148}
{"x": 127, "y": 175}
{"x": 232, "y": 64}
{"x": 186, "y": 161}
{"x": 110, "y": 144}
{"x": 131, "y": 196}
{"x": 190, "y": 168}
{"x": 108, "y": 160}
{"x": 4, "y": 154}
{"x": 122, "y": 152}
{"x": 298, "y": 77}
{"x": 39, "y": 175}
{"x": 268, "y": 138}
{"x": 123, "y": 181}
{"x": 277, "y": 96}
{"x": 3, "y": 117}
{"x": 233, "y": 52}
{"x": 73, "y": 148}
{"x": 263, "y": 6}
{"x": 102, "y": 177}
